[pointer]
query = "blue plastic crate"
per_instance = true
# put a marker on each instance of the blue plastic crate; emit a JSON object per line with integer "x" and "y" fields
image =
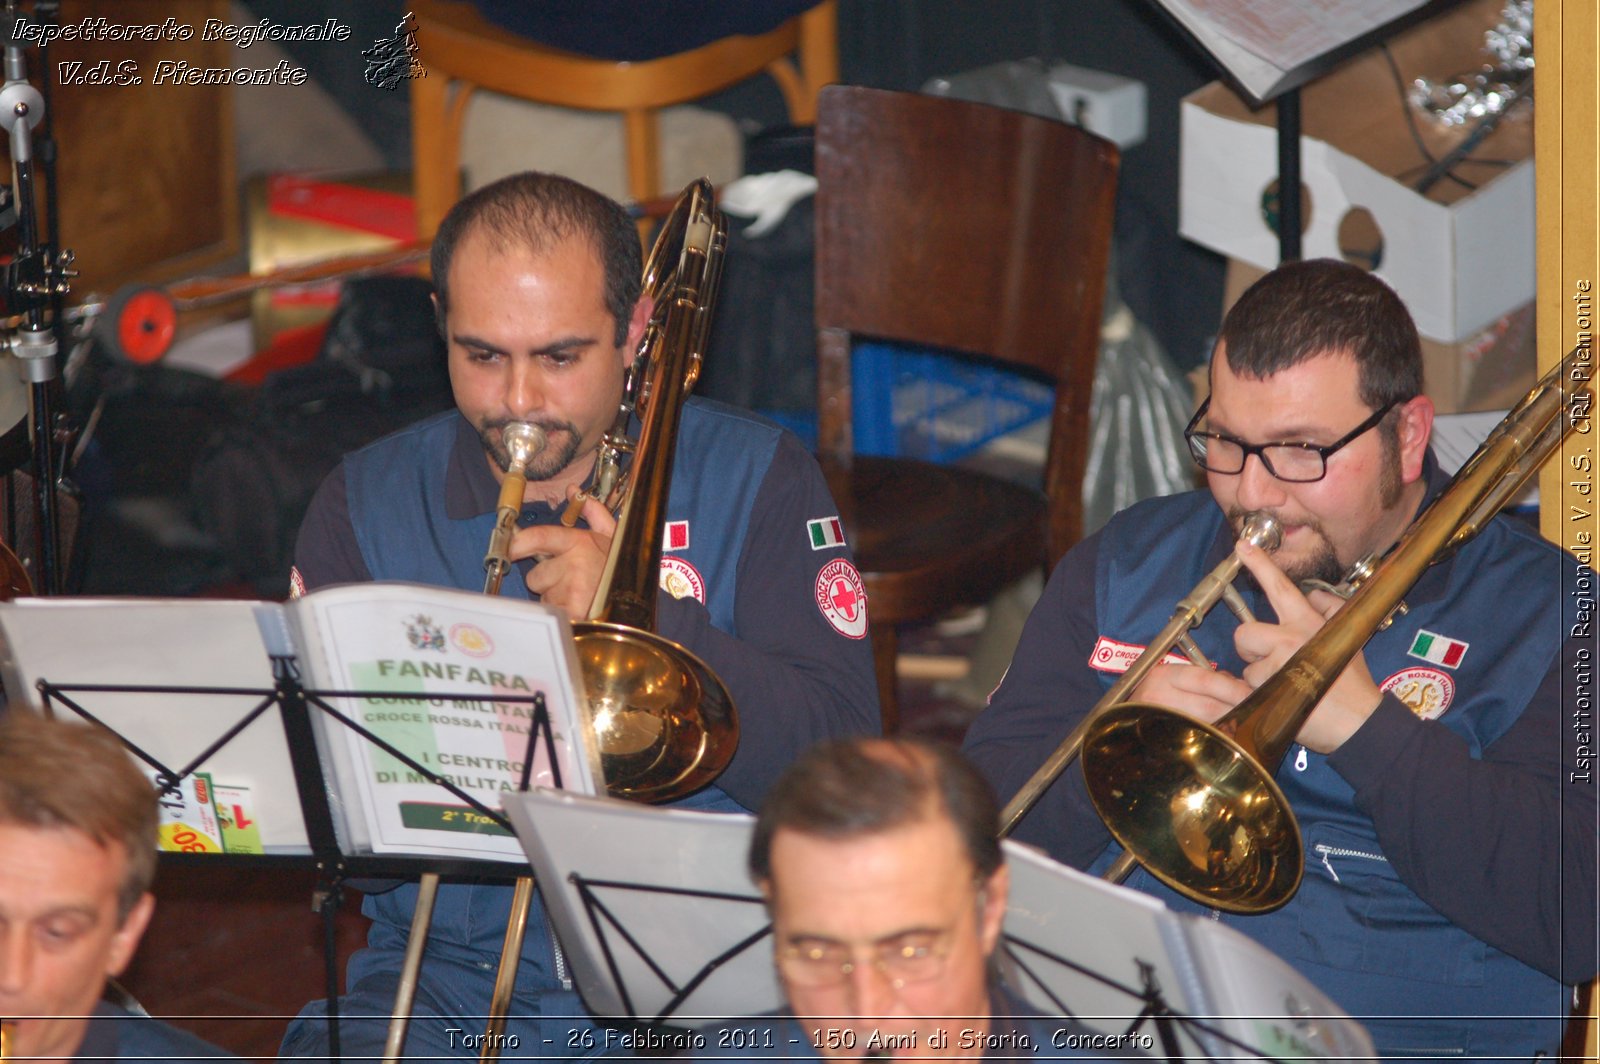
{"x": 921, "y": 404}
{"x": 911, "y": 402}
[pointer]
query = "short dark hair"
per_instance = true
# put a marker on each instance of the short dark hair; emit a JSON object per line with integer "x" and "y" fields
{"x": 537, "y": 211}
{"x": 847, "y": 788}
{"x": 1303, "y": 310}
{"x": 55, "y": 774}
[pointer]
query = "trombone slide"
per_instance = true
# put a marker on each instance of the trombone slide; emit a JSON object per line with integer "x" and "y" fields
{"x": 1198, "y": 803}
{"x": 1259, "y": 528}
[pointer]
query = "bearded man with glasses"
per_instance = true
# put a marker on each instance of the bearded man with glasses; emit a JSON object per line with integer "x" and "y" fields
{"x": 881, "y": 869}
{"x": 1447, "y": 814}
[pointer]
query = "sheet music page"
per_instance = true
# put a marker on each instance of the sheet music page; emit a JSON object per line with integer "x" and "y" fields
{"x": 431, "y": 649}
{"x": 171, "y": 642}
{"x": 1287, "y": 33}
{"x": 1259, "y": 42}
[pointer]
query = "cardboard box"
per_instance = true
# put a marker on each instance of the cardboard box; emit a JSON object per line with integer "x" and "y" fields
{"x": 1489, "y": 370}
{"x": 1461, "y": 258}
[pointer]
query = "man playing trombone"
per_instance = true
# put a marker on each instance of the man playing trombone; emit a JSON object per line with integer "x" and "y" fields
{"x": 1448, "y": 887}
{"x": 538, "y": 293}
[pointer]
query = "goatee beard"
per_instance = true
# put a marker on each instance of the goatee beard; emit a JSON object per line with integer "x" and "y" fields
{"x": 560, "y": 450}
{"x": 1322, "y": 565}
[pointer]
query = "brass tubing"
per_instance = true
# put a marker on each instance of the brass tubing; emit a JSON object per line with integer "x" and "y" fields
{"x": 523, "y": 441}
{"x": 1259, "y": 528}
{"x": 406, "y": 993}
{"x": 505, "y": 979}
{"x": 1197, "y": 803}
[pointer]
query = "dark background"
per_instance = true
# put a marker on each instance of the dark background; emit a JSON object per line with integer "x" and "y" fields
{"x": 1173, "y": 286}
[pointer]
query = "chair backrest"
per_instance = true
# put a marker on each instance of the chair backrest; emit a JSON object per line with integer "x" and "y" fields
{"x": 964, "y": 226}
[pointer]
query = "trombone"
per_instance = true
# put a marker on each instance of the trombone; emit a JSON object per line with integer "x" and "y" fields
{"x": 1259, "y": 528}
{"x": 1196, "y": 803}
{"x": 663, "y": 722}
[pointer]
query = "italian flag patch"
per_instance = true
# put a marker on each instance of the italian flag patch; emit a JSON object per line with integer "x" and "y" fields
{"x": 1438, "y": 649}
{"x": 825, "y": 532}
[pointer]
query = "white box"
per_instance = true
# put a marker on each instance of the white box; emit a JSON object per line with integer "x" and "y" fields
{"x": 1109, "y": 105}
{"x": 1460, "y": 258}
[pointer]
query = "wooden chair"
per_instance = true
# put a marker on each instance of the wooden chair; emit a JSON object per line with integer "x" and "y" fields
{"x": 963, "y": 226}
{"x": 463, "y": 52}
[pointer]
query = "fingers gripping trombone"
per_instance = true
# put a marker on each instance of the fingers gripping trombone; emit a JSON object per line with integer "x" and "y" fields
{"x": 1196, "y": 804}
{"x": 662, "y": 721}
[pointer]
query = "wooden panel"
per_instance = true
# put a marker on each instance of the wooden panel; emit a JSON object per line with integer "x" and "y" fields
{"x": 145, "y": 171}
{"x": 1569, "y": 244}
{"x": 1567, "y": 161}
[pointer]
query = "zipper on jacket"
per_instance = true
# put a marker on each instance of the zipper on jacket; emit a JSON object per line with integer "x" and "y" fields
{"x": 1326, "y": 851}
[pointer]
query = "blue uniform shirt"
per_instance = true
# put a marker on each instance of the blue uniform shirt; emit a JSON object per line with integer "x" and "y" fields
{"x": 1445, "y": 845}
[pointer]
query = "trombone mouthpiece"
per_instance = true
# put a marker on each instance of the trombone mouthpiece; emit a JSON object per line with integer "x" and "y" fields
{"x": 1262, "y": 529}
{"x": 523, "y": 440}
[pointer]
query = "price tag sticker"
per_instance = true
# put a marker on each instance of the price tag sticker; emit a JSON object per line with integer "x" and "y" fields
{"x": 188, "y": 817}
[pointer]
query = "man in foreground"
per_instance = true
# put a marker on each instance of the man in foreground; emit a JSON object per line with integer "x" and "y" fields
{"x": 1449, "y": 888}
{"x": 77, "y": 855}
{"x": 538, "y": 294}
{"x": 887, "y": 889}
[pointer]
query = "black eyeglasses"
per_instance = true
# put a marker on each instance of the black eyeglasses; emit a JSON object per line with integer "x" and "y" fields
{"x": 1296, "y": 463}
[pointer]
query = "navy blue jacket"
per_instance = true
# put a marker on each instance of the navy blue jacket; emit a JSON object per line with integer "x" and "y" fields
{"x": 1449, "y": 862}
{"x": 744, "y": 502}
{"x": 115, "y": 1034}
{"x": 1016, "y": 1031}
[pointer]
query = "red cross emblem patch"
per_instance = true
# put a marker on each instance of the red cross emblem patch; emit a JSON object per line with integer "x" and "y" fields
{"x": 842, "y": 598}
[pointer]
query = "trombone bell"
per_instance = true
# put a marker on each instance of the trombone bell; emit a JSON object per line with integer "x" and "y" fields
{"x": 663, "y": 722}
{"x": 1196, "y": 804}
{"x": 1207, "y": 819}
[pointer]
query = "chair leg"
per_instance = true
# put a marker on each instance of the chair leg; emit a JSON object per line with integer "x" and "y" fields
{"x": 433, "y": 180}
{"x": 885, "y": 650}
{"x": 819, "y": 54}
{"x": 641, "y": 131}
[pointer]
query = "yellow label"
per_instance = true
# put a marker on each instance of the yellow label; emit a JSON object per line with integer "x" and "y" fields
{"x": 183, "y": 838}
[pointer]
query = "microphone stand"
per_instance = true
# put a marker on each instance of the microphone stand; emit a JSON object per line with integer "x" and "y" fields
{"x": 35, "y": 278}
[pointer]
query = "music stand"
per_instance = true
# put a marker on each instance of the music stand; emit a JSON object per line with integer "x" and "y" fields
{"x": 230, "y": 700}
{"x": 1120, "y": 961}
{"x": 1265, "y": 68}
{"x": 663, "y": 926}
{"x": 661, "y": 922}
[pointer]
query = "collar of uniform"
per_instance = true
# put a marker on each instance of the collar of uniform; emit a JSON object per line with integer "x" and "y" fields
{"x": 1433, "y": 580}
{"x": 1436, "y": 578}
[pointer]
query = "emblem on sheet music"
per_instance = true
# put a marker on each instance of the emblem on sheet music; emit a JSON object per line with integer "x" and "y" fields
{"x": 423, "y": 633}
{"x": 842, "y": 598}
{"x": 1111, "y": 655}
{"x": 471, "y": 640}
{"x": 1426, "y": 692}
{"x": 682, "y": 580}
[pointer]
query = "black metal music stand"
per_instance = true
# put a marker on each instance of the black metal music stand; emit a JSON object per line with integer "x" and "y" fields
{"x": 1120, "y": 962}
{"x": 662, "y": 926}
{"x": 1261, "y": 82}
{"x": 295, "y": 738}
